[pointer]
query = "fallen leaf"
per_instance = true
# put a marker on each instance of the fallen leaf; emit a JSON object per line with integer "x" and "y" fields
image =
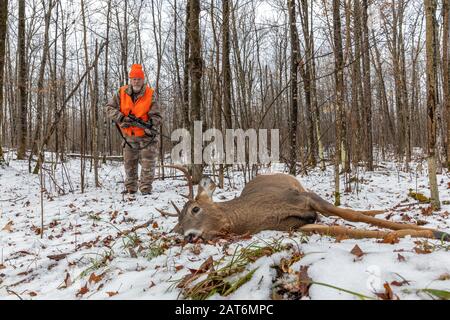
{"x": 178, "y": 268}
{"x": 195, "y": 273}
{"x": 94, "y": 278}
{"x": 357, "y": 251}
{"x": 8, "y": 226}
{"x": 388, "y": 294}
{"x": 2, "y": 266}
{"x": 428, "y": 211}
{"x": 421, "y": 222}
{"x": 133, "y": 253}
{"x": 422, "y": 251}
{"x": 32, "y": 294}
{"x": 83, "y": 290}
{"x": 398, "y": 283}
{"x": 400, "y": 258}
{"x": 285, "y": 264}
{"x": 67, "y": 282}
{"x": 57, "y": 257}
{"x": 155, "y": 225}
{"x": 304, "y": 281}
{"x": 112, "y": 293}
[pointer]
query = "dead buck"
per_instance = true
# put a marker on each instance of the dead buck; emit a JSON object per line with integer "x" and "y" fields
{"x": 276, "y": 202}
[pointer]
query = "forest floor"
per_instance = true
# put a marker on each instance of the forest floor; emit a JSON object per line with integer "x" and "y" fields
{"x": 86, "y": 253}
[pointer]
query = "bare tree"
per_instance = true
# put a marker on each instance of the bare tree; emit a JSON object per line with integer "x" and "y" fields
{"x": 195, "y": 71}
{"x": 3, "y": 25}
{"x": 445, "y": 71}
{"x": 430, "y": 9}
{"x": 295, "y": 48}
{"x": 22, "y": 84}
{"x": 367, "y": 95}
{"x": 339, "y": 78}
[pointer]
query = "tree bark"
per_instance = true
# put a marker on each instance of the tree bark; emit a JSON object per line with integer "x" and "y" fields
{"x": 339, "y": 79}
{"x": 196, "y": 65}
{"x": 22, "y": 79}
{"x": 430, "y": 9}
{"x": 295, "y": 48}
{"x": 367, "y": 97}
{"x": 3, "y": 26}
{"x": 446, "y": 70}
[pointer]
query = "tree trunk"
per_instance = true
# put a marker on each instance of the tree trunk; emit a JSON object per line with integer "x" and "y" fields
{"x": 295, "y": 48}
{"x": 40, "y": 83}
{"x": 446, "y": 70}
{"x": 339, "y": 78}
{"x": 195, "y": 64}
{"x": 185, "y": 110}
{"x": 22, "y": 84}
{"x": 367, "y": 98}
{"x": 226, "y": 68}
{"x": 3, "y": 26}
{"x": 430, "y": 9}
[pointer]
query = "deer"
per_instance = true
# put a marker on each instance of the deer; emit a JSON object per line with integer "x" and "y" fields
{"x": 276, "y": 202}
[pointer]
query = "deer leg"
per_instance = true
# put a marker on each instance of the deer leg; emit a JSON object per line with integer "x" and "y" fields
{"x": 371, "y": 213}
{"x": 338, "y": 231}
{"x": 326, "y": 208}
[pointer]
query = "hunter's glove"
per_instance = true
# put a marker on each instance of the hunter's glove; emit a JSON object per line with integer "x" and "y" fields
{"x": 125, "y": 122}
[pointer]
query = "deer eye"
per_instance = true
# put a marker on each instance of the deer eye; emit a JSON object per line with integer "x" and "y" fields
{"x": 196, "y": 209}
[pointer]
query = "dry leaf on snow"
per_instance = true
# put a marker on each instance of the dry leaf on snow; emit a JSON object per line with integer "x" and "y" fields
{"x": 357, "y": 251}
{"x": 83, "y": 290}
{"x": 112, "y": 293}
{"x": 94, "y": 278}
{"x": 57, "y": 257}
{"x": 8, "y": 226}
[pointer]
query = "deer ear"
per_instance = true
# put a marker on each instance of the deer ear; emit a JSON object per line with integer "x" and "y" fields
{"x": 206, "y": 189}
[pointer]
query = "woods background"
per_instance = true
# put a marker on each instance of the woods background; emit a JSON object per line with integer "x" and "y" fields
{"x": 347, "y": 82}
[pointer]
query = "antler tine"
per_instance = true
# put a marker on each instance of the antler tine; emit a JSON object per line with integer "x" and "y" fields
{"x": 176, "y": 208}
{"x": 165, "y": 213}
{"x": 188, "y": 178}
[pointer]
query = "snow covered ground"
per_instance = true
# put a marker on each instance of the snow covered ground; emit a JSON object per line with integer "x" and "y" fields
{"x": 85, "y": 252}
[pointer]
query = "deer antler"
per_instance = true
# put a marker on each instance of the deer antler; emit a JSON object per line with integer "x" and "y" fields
{"x": 165, "y": 213}
{"x": 176, "y": 208}
{"x": 188, "y": 178}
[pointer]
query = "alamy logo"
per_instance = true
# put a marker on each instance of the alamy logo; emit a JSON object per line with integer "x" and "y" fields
{"x": 241, "y": 147}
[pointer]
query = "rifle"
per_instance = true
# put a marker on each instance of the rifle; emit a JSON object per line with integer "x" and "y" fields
{"x": 144, "y": 125}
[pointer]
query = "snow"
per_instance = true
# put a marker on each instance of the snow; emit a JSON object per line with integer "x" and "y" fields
{"x": 79, "y": 224}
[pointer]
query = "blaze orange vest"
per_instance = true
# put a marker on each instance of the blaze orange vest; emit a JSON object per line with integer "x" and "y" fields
{"x": 139, "y": 109}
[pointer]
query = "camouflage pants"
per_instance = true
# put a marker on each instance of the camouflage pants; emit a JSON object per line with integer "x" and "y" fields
{"x": 144, "y": 153}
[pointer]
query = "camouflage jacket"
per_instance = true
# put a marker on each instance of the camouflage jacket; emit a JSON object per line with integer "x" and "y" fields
{"x": 113, "y": 108}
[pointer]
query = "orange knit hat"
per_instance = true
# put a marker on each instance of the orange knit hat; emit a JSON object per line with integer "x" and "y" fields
{"x": 136, "y": 71}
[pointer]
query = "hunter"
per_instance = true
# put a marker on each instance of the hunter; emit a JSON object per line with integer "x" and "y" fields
{"x": 139, "y": 100}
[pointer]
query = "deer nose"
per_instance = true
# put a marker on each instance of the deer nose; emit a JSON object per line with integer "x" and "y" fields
{"x": 190, "y": 237}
